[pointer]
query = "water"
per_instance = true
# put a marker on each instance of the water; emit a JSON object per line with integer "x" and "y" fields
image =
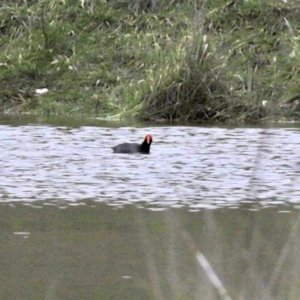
{"x": 79, "y": 222}
{"x": 192, "y": 166}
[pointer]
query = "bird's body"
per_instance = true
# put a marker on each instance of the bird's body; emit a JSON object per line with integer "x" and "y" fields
{"x": 143, "y": 148}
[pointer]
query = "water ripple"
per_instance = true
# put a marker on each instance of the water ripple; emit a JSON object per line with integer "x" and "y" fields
{"x": 194, "y": 166}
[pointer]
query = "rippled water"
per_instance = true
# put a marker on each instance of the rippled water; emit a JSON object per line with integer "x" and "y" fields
{"x": 90, "y": 250}
{"x": 193, "y": 166}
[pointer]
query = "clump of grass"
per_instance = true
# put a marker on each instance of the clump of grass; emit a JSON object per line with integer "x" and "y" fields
{"x": 193, "y": 85}
{"x": 192, "y": 90}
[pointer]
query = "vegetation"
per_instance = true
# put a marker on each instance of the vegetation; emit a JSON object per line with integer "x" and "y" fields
{"x": 151, "y": 60}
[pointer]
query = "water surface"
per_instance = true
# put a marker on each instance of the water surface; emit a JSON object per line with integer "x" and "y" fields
{"x": 192, "y": 166}
{"x": 79, "y": 222}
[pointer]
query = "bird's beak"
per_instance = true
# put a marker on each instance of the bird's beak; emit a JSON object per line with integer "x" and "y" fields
{"x": 148, "y": 140}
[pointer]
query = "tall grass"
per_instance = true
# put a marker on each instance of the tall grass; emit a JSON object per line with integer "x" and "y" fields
{"x": 187, "y": 60}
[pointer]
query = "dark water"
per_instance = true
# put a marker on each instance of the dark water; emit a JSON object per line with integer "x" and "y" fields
{"x": 79, "y": 222}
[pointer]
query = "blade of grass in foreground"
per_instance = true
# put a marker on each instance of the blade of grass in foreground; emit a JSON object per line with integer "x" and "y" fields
{"x": 212, "y": 276}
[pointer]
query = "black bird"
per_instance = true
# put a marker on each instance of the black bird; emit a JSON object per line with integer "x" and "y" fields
{"x": 143, "y": 148}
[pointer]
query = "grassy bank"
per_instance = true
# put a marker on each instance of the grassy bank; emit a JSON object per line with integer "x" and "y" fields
{"x": 151, "y": 60}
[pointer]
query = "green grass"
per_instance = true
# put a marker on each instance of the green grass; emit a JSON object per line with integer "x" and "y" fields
{"x": 170, "y": 60}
